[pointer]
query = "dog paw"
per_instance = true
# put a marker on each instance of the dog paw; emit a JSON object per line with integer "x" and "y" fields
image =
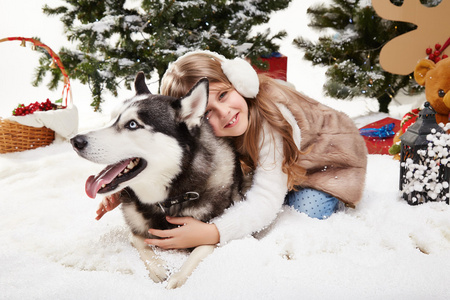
{"x": 157, "y": 271}
{"x": 176, "y": 281}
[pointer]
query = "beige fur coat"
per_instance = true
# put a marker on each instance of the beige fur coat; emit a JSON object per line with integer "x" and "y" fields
{"x": 337, "y": 158}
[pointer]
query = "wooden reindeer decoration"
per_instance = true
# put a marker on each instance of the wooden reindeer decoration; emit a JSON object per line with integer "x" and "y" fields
{"x": 401, "y": 54}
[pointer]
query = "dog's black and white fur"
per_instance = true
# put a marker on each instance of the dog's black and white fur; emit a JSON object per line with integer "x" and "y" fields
{"x": 164, "y": 159}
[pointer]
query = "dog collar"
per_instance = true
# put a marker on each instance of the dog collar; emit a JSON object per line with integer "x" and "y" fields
{"x": 169, "y": 202}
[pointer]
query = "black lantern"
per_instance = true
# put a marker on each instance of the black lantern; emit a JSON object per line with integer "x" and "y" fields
{"x": 424, "y": 175}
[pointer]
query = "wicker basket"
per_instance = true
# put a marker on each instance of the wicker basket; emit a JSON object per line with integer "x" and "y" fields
{"x": 15, "y": 137}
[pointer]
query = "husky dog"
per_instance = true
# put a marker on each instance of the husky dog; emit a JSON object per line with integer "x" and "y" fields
{"x": 164, "y": 159}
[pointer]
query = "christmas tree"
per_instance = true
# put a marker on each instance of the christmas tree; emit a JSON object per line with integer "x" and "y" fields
{"x": 352, "y": 52}
{"x": 115, "y": 40}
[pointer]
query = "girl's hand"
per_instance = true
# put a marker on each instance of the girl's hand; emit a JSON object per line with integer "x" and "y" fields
{"x": 108, "y": 203}
{"x": 190, "y": 233}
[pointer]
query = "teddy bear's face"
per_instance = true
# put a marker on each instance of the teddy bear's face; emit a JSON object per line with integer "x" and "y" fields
{"x": 436, "y": 79}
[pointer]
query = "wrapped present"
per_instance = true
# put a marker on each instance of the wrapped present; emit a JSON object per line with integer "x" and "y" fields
{"x": 379, "y": 135}
{"x": 409, "y": 118}
{"x": 277, "y": 66}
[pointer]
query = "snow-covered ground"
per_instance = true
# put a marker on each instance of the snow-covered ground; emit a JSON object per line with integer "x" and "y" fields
{"x": 52, "y": 248}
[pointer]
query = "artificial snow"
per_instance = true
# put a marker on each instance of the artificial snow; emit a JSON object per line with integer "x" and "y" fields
{"x": 51, "y": 247}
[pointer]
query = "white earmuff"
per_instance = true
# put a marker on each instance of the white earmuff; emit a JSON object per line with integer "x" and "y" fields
{"x": 242, "y": 76}
{"x": 238, "y": 71}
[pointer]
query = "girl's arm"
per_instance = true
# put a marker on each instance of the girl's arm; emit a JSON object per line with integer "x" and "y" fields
{"x": 261, "y": 206}
{"x": 264, "y": 199}
{"x": 108, "y": 203}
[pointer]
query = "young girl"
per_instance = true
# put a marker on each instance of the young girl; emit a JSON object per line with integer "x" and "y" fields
{"x": 288, "y": 141}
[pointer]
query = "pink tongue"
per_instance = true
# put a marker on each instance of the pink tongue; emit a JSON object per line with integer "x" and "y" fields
{"x": 94, "y": 183}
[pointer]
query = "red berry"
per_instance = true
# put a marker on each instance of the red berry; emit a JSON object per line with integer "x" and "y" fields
{"x": 22, "y": 110}
{"x": 437, "y": 46}
{"x": 437, "y": 59}
{"x": 437, "y": 53}
{"x": 444, "y": 56}
{"x": 431, "y": 56}
{"x": 429, "y": 51}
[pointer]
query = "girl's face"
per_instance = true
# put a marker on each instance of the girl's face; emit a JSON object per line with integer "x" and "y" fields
{"x": 227, "y": 111}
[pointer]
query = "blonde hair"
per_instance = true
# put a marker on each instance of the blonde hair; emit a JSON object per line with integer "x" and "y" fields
{"x": 188, "y": 70}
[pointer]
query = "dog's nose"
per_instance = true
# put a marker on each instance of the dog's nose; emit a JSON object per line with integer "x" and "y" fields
{"x": 78, "y": 142}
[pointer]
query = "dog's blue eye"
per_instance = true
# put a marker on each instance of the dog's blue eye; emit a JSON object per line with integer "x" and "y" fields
{"x": 132, "y": 125}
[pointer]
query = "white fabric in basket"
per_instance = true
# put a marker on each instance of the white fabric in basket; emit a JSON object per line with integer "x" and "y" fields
{"x": 63, "y": 121}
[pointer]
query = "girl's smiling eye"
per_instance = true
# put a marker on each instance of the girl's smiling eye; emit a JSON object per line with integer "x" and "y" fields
{"x": 207, "y": 114}
{"x": 222, "y": 95}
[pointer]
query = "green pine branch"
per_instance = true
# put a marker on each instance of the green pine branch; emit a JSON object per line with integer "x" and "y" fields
{"x": 113, "y": 43}
{"x": 351, "y": 53}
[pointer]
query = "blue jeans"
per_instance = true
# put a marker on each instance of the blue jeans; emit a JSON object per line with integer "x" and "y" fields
{"x": 314, "y": 203}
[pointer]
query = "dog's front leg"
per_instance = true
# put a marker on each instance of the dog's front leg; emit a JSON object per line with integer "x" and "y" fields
{"x": 179, "y": 278}
{"x": 155, "y": 265}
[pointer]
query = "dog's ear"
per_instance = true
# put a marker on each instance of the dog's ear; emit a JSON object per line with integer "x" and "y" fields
{"x": 193, "y": 105}
{"x": 139, "y": 84}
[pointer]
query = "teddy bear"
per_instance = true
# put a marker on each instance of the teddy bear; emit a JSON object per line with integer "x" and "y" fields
{"x": 435, "y": 77}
